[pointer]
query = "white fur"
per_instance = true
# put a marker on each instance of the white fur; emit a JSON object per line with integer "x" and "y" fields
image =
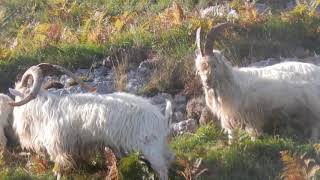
{"x": 251, "y": 98}
{"x": 5, "y": 115}
{"x": 76, "y": 124}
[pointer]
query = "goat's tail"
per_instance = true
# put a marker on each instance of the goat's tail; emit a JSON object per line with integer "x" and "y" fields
{"x": 168, "y": 113}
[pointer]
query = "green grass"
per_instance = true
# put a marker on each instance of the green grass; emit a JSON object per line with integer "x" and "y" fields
{"x": 244, "y": 159}
{"x": 76, "y": 33}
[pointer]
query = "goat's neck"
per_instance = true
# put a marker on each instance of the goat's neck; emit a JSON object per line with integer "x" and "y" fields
{"x": 222, "y": 89}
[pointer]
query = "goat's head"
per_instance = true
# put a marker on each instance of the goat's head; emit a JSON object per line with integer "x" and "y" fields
{"x": 210, "y": 61}
{"x": 30, "y": 84}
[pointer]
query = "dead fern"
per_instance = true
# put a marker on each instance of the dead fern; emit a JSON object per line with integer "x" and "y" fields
{"x": 121, "y": 78}
{"x": 37, "y": 164}
{"x": 250, "y": 15}
{"x": 298, "y": 167}
{"x": 171, "y": 16}
{"x": 177, "y": 13}
{"x": 111, "y": 162}
{"x": 191, "y": 170}
{"x": 54, "y": 32}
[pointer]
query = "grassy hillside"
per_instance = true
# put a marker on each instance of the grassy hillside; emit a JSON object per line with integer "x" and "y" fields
{"x": 76, "y": 33}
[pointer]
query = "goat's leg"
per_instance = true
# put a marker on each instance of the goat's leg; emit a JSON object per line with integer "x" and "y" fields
{"x": 254, "y": 133}
{"x": 57, "y": 171}
{"x": 230, "y": 136}
{"x": 61, "y": 164}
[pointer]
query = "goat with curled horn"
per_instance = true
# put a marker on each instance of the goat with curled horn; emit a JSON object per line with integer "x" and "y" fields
{"x": 71, "y": 127}
{"x": 255, "y": 98}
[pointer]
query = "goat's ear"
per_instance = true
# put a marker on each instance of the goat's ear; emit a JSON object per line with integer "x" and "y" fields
{"x": 15, "y": 92}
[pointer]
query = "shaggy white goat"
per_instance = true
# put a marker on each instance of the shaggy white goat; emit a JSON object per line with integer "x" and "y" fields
{"x": 76, "y": 124}
{"x": 5, "y": 115}
{"x": 253, "y": 98}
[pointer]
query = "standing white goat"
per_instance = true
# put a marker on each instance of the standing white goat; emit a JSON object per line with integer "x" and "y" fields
{"x": 5, "y": 115}
{"x": 253, "y": 98}
{"x": 73, "y": 125}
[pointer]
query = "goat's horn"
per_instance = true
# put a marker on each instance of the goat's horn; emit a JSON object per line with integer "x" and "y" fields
{"x": 198, "y": 41}
{"x": 37, "y": 76}
{"x": 48, "y": 68}
{"x": 211, "y": 37}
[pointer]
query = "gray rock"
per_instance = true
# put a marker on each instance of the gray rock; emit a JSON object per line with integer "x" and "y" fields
{"x": 105, "y": 87}
{"x": 178, "y": 116}
{"x": 215, "y": 11}
{"x": 180, "y": 102}
{"x": 107, "y": 63}
{"x": 82, "y": 72}
{"x": 261, "y": 7}
{"x": 101, "y": 71}
{"x": 147, "y": 64}
{"x": 187, "y": 126}
{"x": 53, "y": 84}
{"x": 264, "y": 63}
{"x": 194, "y": 107}
{"x": 290, "y": 5}
{"x": 312, "y": 59}
{"x": 160, "y": 101}
{"x": 161, "y": 98}
{"x": 300, "y": 52}
{"x": 180, "y": 107}
{"x": 138, "y": 77}
{"x": 179, "y": 99}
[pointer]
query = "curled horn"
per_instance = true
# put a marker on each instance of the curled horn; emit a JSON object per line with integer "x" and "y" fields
{"x": 37, "y": 76}
{"x": 37, "y": 73}
{"x": 198, "y": 41}
{"x": 211, "y": 37}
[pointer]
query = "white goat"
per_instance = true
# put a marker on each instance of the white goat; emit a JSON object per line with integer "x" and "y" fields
{"x": 5, "y": 115}
{"x": 76, "y": 124}
{"x": 253, "y": 98}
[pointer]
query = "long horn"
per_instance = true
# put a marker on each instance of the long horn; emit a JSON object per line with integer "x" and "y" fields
{"x": 37, "y": 76}
{"x": 198, "y": 41}
{"x": 49, "y": 68}
{"x": 211, "y": 37}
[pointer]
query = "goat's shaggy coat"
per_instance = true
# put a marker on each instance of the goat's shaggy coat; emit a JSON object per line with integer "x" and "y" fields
{"x": 5, "y": 115}
{"x": 253, "y": 98}
{"x": 73, "y": 125}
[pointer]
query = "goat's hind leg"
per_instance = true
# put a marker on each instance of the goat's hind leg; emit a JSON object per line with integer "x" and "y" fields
{"x": 62, "y": 163}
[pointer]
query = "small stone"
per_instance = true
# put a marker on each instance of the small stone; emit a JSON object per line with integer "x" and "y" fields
{"x": 182, "y": 127}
